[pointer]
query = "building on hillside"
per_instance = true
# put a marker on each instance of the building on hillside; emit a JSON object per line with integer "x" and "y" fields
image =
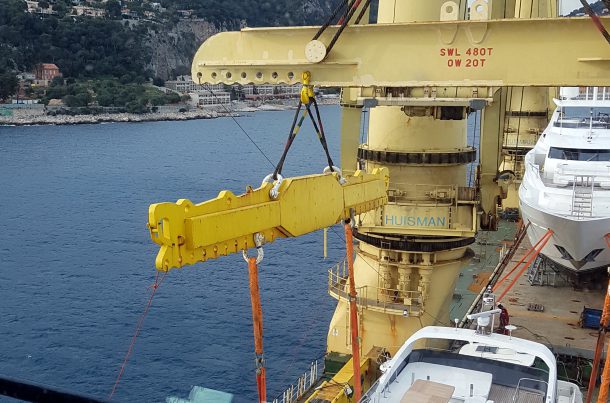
{"x": 88, "y": 11}
{"x": 34, "y": 8}
{"x": 253, "y": 92}
{"x": 213, "y": 98}
{"x": 26, "y": 76}
{"x": 289, "y": 91}
{"x": 265, "y": 91}
{"x": 185, "y": 85}
{"x": 258, "y": 92}
{"x": 45, "y": 73}
{"x": 185, "y": 13}
{"x": 157, "y": 6}
{"x": 127, "y": 13}
{"x": 24, "y": 101}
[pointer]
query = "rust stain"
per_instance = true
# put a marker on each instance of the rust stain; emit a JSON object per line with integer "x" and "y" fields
{"x": 392, "y": 324}
{"x": 479, "y": 281}
{"x": 394, "y": 336}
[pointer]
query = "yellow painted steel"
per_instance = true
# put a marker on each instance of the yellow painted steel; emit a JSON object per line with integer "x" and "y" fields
{"x": 510, "y": 52}
{"x": 333, "y": 391}
{"x": 189, "y": 233}
{"x": 491, "y": 191}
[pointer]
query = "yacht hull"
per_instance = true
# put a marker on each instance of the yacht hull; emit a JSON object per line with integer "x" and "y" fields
{"x": 578, "y": 245}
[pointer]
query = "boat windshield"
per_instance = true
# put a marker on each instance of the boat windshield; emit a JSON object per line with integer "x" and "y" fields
{"x": 583, "y": 117}
{"x": 579, "y": 154}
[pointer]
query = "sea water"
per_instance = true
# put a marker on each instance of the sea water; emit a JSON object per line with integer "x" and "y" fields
{"x": 77, "y": 262}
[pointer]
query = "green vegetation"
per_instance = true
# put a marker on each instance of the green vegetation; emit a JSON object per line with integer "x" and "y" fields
{"x": 231, "y": 14}
{"x": 104, "y": 60}
{"x": 8, "y": 84}
{"x": 87, "y": 47}
{"x": 82, "y": 47}
{"x": 133, "y": 98}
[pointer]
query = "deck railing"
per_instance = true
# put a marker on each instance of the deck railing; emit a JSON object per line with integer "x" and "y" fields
{"x": 424, "y": 193}
{"x": 386, "y": 300}
{"x": 303, "y": 384}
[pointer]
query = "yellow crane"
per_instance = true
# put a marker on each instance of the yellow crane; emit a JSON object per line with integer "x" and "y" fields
{"x": 420, "y": 77}
{"x": 189, "y": 233}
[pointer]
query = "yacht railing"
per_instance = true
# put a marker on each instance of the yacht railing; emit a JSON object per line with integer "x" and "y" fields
{"x": 595, "y": 94}
{"x": 530, "y": 390}
{"x": 570, "y": 170}
{"x": 583, "y": 123}
{"x": 565, "y": 174}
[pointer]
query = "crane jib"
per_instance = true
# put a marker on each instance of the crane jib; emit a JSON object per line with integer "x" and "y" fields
{"x": 189, "y": 233}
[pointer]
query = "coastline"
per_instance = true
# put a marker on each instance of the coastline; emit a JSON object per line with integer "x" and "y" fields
{"x": 108, "y": 118}
{"x": 31, "y": 117}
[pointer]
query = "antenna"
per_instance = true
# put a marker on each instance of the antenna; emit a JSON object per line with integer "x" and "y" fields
{"x": 510, "y": 329}
{"x": 483, "y": 320}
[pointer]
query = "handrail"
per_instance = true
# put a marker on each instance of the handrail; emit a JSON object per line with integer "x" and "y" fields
{"x": 389, "y": 300}
{"x": 409, "y": 193}
{"x": 303, "y": 384}
{"x": 516, "y": 394}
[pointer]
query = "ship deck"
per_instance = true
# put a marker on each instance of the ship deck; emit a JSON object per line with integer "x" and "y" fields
{"x": 557, "y": 324}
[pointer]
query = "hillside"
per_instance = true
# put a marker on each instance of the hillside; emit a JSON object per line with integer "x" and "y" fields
{"x": 233, "y": 13}
{"x": 137, "y": 42}
{"x": 599, "y": 7}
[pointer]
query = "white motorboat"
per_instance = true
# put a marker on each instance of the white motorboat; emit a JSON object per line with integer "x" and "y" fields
{"x": 566, "y": 186}
{"x": 506, "y": 369}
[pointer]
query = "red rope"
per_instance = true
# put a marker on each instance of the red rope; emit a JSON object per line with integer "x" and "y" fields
{"x": 139, "y": 325}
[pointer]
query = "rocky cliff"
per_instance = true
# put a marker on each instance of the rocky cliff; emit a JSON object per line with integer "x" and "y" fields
{"x": 171, "y": 49}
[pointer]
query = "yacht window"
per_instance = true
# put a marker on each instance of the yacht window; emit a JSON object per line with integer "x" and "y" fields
{"x": 579, "y": 154}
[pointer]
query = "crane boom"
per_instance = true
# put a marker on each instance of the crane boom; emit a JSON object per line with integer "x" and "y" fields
{"x": 490, "y": 53}
{"x": 189, "y": 233}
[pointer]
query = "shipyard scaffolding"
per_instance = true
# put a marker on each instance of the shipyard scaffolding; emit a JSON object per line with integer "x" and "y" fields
{"x": 420, "y": 72}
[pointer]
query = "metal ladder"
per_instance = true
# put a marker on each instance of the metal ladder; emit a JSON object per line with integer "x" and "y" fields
{"x": 534, "y": 272}
{"x": 582, "y": 196}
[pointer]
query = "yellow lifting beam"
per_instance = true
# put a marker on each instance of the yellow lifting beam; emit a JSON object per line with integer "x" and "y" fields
{"x": 489, "y": 53}
{"x": 189, "y": 233}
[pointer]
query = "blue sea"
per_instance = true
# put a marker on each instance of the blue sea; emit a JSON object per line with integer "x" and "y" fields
{"x": 77, "y": 262}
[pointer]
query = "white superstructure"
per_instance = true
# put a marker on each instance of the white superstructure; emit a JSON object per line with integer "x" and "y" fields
{"x": 432, "y": 375}
{"x": 566, "y": 187}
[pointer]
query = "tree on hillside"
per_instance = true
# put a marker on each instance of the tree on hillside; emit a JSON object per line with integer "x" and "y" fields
{"x": 113, "y": 8}
{"x": 57, "y": 81}
{"x": 8, "y": 84}
{"x": 61, "y": 9}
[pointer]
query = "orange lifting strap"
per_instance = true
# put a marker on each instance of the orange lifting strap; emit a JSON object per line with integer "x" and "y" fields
{"x": 353, "y": 311}
{"x": 603, "y": 388}
{"x": 532, "y": 253}
{"x": 599, "y": 350}
{"x": 257, "y": 323}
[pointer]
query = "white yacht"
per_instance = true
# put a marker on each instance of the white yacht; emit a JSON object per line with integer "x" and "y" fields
{"x": 488, "y": 368}
{"x": 566, "y": 186}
